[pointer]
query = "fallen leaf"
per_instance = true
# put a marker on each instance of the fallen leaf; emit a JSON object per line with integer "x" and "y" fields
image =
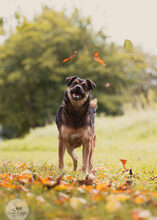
{"x": 98, "y": 59}
{"x": 154, "y": 194}
{"x": 112, "y": 206}
{"x": 75, "y": 202}
{"x": 145, "y": 214}
{"x": 26, "y": 172}
{"x": 103, "y": 186}
{"x": 139, "y": 199}
{"x": 29, "y": 194}
{"x": 52, "y": 184}
{"x": 79, "y": 189}
{"x": 69, "y": 58}
{"x": 89, "y": 180}
{"x": 153, "y": 178}
{"x": 122, "y": 197}
{"x": 24, "y": 189}
{"x": 62, "y": 197}
{"x": 138, "y": 214}
{"x": 102, "y": 168}
{"x": 40, "y": 199}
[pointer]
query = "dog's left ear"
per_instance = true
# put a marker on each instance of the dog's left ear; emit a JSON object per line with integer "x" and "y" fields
{"x": 91, "y": 84}
{"x": 70, "y": 79}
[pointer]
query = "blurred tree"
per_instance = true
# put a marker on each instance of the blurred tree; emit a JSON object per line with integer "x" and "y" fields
{"x": 32, "y": 75}
{"x": 144, "y": 88}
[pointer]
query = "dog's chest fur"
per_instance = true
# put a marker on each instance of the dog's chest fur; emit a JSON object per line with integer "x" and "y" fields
{"x": 75, "y": 137}
{"x": 76, "y": 125}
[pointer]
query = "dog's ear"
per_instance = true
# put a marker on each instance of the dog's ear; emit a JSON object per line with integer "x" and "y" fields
{"x": 70, "y": 79}
{"x": 91, "y": 84}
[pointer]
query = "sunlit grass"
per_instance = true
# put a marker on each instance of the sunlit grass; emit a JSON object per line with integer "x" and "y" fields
{"x": 131, "y": 136}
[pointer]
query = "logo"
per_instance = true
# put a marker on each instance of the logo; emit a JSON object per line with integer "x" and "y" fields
{"x": 17, "y": 209}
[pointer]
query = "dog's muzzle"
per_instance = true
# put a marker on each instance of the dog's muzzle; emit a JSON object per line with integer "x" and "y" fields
{"x": 77, "y": 93}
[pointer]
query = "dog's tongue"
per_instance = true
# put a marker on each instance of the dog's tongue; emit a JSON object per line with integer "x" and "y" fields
{"x": 76, "y": 95}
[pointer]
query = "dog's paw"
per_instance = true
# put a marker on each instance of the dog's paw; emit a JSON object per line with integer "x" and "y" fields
{"x": 84, "y": 170}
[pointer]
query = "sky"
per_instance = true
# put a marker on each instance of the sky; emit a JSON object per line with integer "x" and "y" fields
{"x": 135, "y": 20}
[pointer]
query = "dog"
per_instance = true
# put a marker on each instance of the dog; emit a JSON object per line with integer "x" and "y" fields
{"x": 75, "y": 122}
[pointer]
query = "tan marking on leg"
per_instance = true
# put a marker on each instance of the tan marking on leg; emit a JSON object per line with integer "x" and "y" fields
{"x": 74, "y": 157}
{"x": 61, "y": 152}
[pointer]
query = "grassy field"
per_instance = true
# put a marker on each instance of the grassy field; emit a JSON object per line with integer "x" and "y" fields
{"x": 113, "y": 193}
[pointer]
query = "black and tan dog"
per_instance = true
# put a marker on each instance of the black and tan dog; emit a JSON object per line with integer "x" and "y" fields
{"x": 75, "y": 122}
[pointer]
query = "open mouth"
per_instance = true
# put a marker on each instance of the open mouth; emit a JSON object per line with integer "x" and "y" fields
{"x": 76, "y": 96}
{"x": 77, "y": 93}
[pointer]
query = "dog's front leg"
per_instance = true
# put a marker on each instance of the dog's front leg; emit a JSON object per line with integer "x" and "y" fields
{"x": 86, "y": 152}
{"x": 61, "y": 152}
{"x": 74, "y": 157}
{"x": 91, "y": 168}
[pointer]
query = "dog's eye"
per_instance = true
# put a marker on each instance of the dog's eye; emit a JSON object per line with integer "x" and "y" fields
{"x": 84, "y": 85}
{"x": 76, "y": 82}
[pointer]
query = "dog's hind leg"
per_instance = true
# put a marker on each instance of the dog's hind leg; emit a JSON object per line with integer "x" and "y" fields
{"x": 61, "y": 152}
{"x": 74, "y": 157}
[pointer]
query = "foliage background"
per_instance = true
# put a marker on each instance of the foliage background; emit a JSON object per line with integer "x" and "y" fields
{"x": 32, "y": 75}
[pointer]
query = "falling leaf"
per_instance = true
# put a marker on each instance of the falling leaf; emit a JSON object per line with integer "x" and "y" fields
{"x": 123, "y": 161}
{"x": 128, "y": 46}
{"x": 107, "y": 85}
{"x": 69, "y": 58}
{"x": 98, "y": 59}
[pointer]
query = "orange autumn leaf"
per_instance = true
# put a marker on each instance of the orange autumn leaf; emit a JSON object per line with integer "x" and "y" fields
{"x": 69, "y": 58}
{"x": 138, "y": 214}
{"x": 102, "y": 187}
{"x": 95, "y": 54}
{"x": 4, "y": 175}
{"x": 62, "y": 197}
{"x": 139, "y": 199}
{"x": 123, "y": 161}
{"x": 22, "y": 165}
{"x": 98, "y": 59}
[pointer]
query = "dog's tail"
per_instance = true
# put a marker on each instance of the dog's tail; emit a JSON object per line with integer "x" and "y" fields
{"x": 93, "y": 104}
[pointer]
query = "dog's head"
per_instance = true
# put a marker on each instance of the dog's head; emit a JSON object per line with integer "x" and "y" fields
{"x": 79, "y": 89}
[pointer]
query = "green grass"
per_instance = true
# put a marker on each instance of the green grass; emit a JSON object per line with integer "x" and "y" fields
{"x": 132, "y": 136}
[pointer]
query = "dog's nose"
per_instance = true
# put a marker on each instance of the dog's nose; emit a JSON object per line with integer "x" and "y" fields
{"x": 78, "y": 87}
